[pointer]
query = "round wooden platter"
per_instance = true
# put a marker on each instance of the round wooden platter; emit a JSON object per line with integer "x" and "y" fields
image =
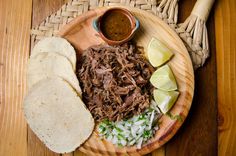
{"x": 81, "y": 35}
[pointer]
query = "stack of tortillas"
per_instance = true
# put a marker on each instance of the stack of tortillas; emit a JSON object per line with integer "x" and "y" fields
{"x": 53, "y": 107}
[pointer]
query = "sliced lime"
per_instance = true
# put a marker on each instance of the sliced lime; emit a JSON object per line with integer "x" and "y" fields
{"x": 158, "y": 53}
{"x": 165, "y": 100}
{"x": 164, "y": 79}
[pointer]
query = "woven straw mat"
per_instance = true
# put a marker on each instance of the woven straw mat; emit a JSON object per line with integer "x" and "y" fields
{"x": 52, "y": 24}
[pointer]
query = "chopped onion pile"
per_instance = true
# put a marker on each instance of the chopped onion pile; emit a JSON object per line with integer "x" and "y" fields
{"x": 134, "y": 131}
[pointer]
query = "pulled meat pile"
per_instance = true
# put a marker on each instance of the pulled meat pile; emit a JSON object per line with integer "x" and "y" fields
{"x": 115, "y": 81}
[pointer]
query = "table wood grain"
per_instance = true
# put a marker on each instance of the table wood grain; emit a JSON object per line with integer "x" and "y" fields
{"x": 210, "y": 127}
{"x": 225, "y": 39}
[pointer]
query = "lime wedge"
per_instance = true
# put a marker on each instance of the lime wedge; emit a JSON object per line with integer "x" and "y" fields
{"x": 158, "y": 53}
{"x": 164, "y": 79}
{"x": 165, "y": 100}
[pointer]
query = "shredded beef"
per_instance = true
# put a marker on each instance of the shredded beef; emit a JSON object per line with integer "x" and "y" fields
{"x": 115, "y": 81}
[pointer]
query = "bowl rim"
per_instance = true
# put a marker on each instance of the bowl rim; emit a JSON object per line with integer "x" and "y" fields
{"x": 133, "y": 21}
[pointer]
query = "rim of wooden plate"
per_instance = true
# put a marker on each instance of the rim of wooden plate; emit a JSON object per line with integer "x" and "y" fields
{"x": 94, "y": 145}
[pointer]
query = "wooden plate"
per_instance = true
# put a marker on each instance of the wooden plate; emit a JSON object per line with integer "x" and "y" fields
{"x": 82, "y": 35}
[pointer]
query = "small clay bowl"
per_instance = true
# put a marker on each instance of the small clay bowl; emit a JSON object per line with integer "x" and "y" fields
{"x": 116, "y": 26}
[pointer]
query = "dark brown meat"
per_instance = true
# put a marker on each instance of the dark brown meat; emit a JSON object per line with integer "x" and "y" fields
{"x": 115, "y": 81}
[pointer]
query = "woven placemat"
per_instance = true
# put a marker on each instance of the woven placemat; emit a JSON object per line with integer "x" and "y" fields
{"x": 167, "y": 10}
{"x": 52, "y": 24}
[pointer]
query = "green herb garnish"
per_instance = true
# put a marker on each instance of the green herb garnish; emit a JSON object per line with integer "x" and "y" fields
{"x": 174, "y": 117}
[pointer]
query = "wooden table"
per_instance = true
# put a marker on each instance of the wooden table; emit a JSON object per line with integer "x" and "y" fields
{"x": 210, "y": 127}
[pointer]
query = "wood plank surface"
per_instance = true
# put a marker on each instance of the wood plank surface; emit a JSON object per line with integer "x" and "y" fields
{"x": 190, "y": 140}
{"x": 41, "y": 9}
{"x": 198, "y": 136}
{"x": 225, "y": 26}
{"x": 44, "y": 8}
{"x": 15, "y": 22}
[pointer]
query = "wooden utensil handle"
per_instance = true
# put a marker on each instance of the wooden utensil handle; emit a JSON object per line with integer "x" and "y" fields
{"x": 202, "y": 8}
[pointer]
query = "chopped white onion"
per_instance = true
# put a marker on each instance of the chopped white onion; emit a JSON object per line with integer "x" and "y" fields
{"x": 134, "y": 131}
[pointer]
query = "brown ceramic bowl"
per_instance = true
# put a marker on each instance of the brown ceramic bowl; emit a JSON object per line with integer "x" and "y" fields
{"x": 132, "y": 21}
